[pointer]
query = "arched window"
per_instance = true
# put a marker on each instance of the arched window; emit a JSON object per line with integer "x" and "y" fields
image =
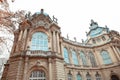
{"x": 92, "y": 59}
{"x": 83, "y": 58}
{"x": 106, "y": 58}
{"x": 79, "y": 77}
{"x": 37, "y": 75}
{"x": 39, "y": 41}
{"x": 114, "y": 77}
{"x": 98, "y": 76}
{"x": 66, "y": 56}
{"x": 74, "y": 57}
{"x": 69, "y": 76}
{"x": 88, "y": 76}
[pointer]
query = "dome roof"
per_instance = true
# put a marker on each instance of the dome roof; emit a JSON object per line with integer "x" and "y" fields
{"x": 41, "y": 12}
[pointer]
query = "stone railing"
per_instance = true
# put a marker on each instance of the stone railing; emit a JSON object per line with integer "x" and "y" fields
{"x": 39, "y": 53}
{"x": 84, "y": 44}
{"x": 93, "y": 67}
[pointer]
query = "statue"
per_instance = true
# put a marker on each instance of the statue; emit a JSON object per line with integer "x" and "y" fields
{"x": 106, "y": 26}
{"x": 55, "y": 19}
{"x": 93, "y": 23}
{"x": 75, "y": 39}
{"x": 82, "y": 41}
{"x": 67, "y": 36}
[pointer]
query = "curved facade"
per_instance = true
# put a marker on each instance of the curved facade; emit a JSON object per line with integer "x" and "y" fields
{"x": 41, "y": 53}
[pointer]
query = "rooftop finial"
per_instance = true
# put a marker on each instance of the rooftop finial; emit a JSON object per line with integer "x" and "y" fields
{"x": 42, "y": 10}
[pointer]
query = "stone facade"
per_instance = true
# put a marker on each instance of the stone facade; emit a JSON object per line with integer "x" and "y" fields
{"x": 52, "y": 63}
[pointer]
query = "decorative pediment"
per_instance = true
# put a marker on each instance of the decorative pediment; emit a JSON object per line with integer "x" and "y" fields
{"x": 42, "y": 24}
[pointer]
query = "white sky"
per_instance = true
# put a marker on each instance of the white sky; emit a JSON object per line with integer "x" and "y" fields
{"x": 74, "y": 15}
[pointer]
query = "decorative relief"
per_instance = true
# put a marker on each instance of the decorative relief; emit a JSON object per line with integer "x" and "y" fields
{"x": 41, "y": 23}
{"x": 38, "y": 63}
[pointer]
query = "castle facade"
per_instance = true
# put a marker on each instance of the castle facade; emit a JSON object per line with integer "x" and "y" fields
{"x": 40, "y": 52}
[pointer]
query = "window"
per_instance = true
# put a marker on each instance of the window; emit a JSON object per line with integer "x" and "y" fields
{"x": 103, "y": 38}
{"x": 79, "y": 77}
{"x": 92, "y": 59}
{"x": 98, "y": 39}
{"x": 93, "y": 41}
{"x": 37, "y": 75}
{"x": 74, "y": 57}
{"x": 98, "y": 76}
{"x": 69, "y": 76}
{"x": 88, "y": 76}
{"x": 114, "y": 77}
{"x": 106, "y": 58}
{"x": 83, "y": 58}
{"x": 66, "y": 56}
{"x": 39, "y": 41}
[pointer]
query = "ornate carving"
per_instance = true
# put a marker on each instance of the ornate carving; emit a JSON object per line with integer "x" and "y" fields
{"x": 38, "y": 63}
{"x": 41, "y": 23}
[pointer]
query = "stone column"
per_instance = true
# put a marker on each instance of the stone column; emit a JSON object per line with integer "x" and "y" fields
{"x": 70, "y": 55}
{"x": 96, "y": 57}
{"x": 88, "y": 59}
{"x": 74, "y": 75}
{"x": 116, "y": 53}
{"x": 83, "y": 75}
{"x": 19, "y": 69}
{"x": 58, "y": 45}
{"x": 50, "y": 41}
{"x": 25, "y": 68}
{"x": 24, "y": 34}
{"x": 54, "y": 42}
{"x": 24, "y": 38}
{"x": 50, "y": 69}
{"x": 78, "y": 57}
{"x": 113, "y": 55}
{"x": 62, "y": 50}
{"x": 20, "y": 35}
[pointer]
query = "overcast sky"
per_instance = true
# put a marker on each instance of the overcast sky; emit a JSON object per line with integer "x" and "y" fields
{"x": 74, "y": 15}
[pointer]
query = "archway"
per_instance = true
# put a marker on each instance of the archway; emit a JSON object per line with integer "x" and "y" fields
{"x": 114, "y": 77}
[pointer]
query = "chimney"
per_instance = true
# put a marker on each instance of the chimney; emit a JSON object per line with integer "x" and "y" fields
{"x": 42, "y": 11}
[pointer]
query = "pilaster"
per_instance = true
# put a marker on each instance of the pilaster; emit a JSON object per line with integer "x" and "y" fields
{"x": 25, "y": 68}
{"x": 50, "y": 69}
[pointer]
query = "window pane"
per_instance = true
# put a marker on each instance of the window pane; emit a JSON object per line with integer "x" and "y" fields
{"x": 37, "y": 75}
{"x": 74, "y": 56}
{"x": 79, "y": 77}
{"x": 39, "y": 41}
{"x": 66, "y": 56}
{"x": 92, "y": 59}
{"x": 106, "y": 58}
{"x": 83, "y": 58}
{"x": 69, "y": 77}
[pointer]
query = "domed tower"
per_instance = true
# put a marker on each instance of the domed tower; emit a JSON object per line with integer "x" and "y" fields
{"x": 36, "y": 53}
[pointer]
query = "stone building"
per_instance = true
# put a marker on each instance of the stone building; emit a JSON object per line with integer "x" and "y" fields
{"x": 41, "y": 53}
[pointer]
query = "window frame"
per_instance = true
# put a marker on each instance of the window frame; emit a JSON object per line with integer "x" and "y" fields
{"x": 39, "y": 41}
{"x": 106, "y": 57}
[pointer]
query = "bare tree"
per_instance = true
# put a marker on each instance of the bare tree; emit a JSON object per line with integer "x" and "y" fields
{"x": 9, "y": 22}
